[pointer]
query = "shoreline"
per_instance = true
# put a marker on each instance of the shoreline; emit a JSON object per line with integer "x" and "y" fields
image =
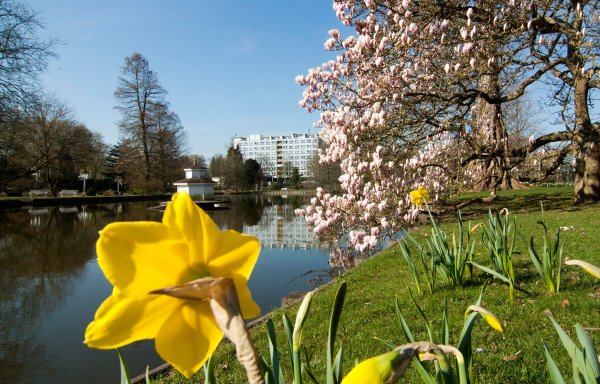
{"x": 26, "y": 202}
{"x": 18, "y": 203}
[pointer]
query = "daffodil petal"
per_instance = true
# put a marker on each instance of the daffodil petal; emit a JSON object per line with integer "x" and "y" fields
{"x": 375, "y": 370}
{"x": 201, "y": 233}
{"x": 139, "y": 257}
{"x": 238, "y": 254}
{"x": 121, "y": 320}
{"x": 188, "y": 337}
{"x": 248, "y": 307}
{"x": 488, "y": 316}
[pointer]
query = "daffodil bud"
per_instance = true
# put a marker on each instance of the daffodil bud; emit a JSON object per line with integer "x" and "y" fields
{"x": 589, "y": 268}
{"x": 382, "y": 369}
{"x": 300, "y": 320}
{"x": 487, "y": 316}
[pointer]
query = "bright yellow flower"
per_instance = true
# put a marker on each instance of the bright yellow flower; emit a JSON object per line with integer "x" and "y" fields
{"x": 376, "y": 370}
{"x": 488, "y": 316}
{"x": 140, "y": 257}
{"x": 420, "y": 196}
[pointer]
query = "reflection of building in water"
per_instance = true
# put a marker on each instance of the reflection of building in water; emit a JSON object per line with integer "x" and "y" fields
{"x": 68, "y": 210}
{"x": 279, "y": 227}
{"x": 36, "y": 216}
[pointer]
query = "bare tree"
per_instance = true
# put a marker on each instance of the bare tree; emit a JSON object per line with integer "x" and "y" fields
{"x": 56, "y": 147}
{"x": 167, "y": 144}
{"x": 23, "y": 55}
{"x": 137, "y": 92}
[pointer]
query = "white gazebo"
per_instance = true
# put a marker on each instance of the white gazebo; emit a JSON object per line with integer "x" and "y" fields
{"x": 197, "y": 183}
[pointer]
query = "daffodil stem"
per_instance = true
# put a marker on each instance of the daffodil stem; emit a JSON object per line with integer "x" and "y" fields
{"x": 297, "y": 368}
{"x": 225, "y": 306}
{"x": 462, "y": 373}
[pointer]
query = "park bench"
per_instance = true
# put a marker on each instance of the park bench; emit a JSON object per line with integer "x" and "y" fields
{"x": 39, "y": 192}
{"x": 68, "y": 192}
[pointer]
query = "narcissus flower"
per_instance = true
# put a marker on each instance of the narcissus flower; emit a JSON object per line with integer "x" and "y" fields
{"x": 380, "y": 369}
{"x": 141, "y": 257}
{"x": 488, "y": 316}
{"x": 419, "y": 196}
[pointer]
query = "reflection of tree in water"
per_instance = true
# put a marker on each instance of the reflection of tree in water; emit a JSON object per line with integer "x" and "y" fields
{"x": 242, "y": 210}
{"x": 41, "y": 255}
{"x": 249, "y": 210}
{"x": 293, "y": 201}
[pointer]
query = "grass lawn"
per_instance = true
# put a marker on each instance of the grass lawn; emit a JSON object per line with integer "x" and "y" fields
{"x": 517, "y": 355}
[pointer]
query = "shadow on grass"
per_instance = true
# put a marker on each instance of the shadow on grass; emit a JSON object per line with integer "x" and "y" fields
{"x": 516, "y": 201}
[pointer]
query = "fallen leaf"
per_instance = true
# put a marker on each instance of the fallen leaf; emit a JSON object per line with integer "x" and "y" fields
{"x": 565, "y": 303}
{"x": 511, "y": 357}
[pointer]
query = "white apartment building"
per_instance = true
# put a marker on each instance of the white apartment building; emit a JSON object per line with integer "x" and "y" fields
{"x": 273, "y": 152}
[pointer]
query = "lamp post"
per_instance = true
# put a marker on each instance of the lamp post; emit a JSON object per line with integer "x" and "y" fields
{"x": 83, "y": 176}
{"x": 119, "y": 181}
{"x": 36, "y": 174}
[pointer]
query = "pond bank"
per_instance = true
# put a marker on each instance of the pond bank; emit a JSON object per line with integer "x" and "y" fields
{"x": 20, "y": 202}
{"x": 17, "y": 203}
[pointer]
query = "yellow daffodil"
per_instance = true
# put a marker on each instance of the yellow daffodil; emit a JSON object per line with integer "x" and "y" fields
{"x": 383, "y": 369}
{"x": 375, "y": 370}
{"x": 141, "y": 257}
{"x": 419, "y": 196}
{"x": 487, "y": 316}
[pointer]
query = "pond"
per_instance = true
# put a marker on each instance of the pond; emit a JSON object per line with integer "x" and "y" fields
{"x": 51, "y": 285}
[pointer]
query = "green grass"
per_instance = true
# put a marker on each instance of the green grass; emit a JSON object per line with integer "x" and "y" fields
{"x": 517, "y": 355}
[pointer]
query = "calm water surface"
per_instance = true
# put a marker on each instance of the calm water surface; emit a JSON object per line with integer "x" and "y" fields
{"x": 51, "y": 285}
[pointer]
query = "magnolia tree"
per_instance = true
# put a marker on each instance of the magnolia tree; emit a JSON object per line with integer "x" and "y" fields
{"x": 415, "y": 95}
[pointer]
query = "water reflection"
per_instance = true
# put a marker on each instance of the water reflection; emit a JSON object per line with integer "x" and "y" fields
{"x": 50, "y": 284}
{"x": 43, "y": 252}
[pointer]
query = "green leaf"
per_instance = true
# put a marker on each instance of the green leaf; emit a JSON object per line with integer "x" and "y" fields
{"x": 209, "y": 374}
{"x": 148, "y": 381}
{"x": 426, "y": 377}
{"x": 445, "y": 327}
{"x": 268, "y": 373}
{"x": 336, "y": 313}
{"x": 403, "y": 324}
{"x": 411, "y": 265}
{"x": 287, "y": 326}
{"x": 574, "y": 352}
{"x": 427, "y": 325}
{"x": 555, "y": 374}
{"x": 274, "y": 354}
{"x": 590, "y": 353}
{"x": 491, "y": 272}
{"x": 337, "y": 365}
{"x": 124, "y": 374}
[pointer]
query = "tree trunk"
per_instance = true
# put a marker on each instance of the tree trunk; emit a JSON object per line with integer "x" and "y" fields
{"x": 494, "y": 172}
{"x": 587, "y": 136}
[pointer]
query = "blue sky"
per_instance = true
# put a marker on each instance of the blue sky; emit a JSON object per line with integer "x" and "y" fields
{"x": 228, "y": 66}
